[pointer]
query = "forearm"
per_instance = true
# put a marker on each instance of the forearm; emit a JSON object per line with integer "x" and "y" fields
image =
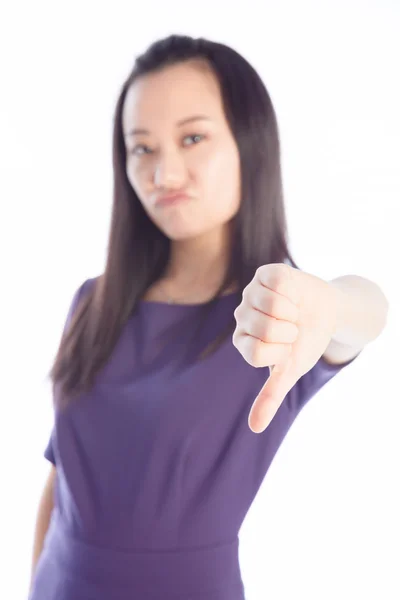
{"x": 362, "y": 310}
{"x": 44, "y": 513}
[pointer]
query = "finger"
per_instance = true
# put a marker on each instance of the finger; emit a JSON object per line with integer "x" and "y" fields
{"x": 267, "y": 329}
{"x": 280, "y": 278}
{"x": 280, "y": 382}
{"x": 259, "y": 354}
{"x": 271, "y": 396}
{"x": 271, "y": 303}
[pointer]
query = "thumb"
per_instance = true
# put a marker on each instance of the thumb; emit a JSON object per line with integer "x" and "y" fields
{"x": 272, "y": 394}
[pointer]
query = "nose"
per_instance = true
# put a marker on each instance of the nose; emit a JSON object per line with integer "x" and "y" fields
{"x": 170, "y": 170}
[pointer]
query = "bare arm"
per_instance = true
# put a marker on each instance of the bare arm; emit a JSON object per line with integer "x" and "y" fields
{"x": 362, "y": 316}
{"x": 43, "y": 518}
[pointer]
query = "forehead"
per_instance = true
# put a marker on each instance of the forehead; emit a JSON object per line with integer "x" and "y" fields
{"x": 167, "y": 96}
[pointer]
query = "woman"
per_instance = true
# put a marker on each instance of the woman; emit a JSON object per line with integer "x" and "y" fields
{"x": 155, "y": 458}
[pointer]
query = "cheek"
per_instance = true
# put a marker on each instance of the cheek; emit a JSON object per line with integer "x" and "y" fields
{"x": 138, "y": 178}
{"x": 134, "y": 175}
{"x": 219, "y": 177}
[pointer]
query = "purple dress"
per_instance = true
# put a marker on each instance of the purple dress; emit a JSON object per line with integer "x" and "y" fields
{"x": 157, "y": 467}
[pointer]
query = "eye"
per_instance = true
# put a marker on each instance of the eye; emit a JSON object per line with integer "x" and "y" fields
{"x": 139, "y": 150}
{"x": 193, "y": 139}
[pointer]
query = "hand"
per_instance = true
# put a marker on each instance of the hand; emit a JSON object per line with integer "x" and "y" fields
{"x": 285, "y": 321}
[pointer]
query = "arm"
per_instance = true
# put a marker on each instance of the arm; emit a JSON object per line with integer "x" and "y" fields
{"x": 43, "y": 518}
{"x": 362, "y": 311}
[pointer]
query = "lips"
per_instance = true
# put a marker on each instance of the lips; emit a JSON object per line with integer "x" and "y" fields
{"x": 171, "y": 199}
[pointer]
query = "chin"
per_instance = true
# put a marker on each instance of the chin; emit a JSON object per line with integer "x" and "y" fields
{"x": 180, "y": 229}
{"x": 182, "y": 234}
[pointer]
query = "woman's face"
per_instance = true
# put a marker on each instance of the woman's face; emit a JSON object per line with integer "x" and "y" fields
{"x": 178, "y": 141}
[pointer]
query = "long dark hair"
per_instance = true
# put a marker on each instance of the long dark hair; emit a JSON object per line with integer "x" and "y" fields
{"x": 138, "y": 251}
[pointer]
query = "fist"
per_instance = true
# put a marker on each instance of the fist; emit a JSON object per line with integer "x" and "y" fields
{"x": 267, "y": 318}
{"x": 285, "y": 321}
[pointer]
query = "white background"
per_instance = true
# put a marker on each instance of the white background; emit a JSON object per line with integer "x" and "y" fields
{"x": 325, "y": 524}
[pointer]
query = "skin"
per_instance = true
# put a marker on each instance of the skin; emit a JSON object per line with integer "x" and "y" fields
{"x": 287, "y": 319}
{"x": 176, "y": 152}
{"x": 43, "y": 518}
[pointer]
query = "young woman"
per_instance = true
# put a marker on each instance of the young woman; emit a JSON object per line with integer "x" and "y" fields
{"x": 156, "y": 460}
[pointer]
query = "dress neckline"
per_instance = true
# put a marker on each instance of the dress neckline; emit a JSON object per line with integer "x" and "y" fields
{"x": 176, "y": 305}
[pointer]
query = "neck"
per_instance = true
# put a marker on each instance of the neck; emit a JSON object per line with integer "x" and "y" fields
{"x": 201, "y": 262}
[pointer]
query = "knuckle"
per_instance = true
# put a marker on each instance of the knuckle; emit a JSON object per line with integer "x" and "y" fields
{"x": 250, "y": 352}
{"x": 270, "y": 335}
{"x": 272, "y": 305}
{"x": 248, "y": 348}
{"x": 255, "y": 357}
{"x": 274, "y": 274}
{"x": 237, "y": 313}
{"x": 262, "y": 271}
{"x": 264, "y": 325}
{"x": 235, "y": 339}
{"x": 246, "y": 291}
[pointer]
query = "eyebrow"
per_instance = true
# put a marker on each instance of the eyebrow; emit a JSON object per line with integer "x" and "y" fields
{"x": 179, "y": 124}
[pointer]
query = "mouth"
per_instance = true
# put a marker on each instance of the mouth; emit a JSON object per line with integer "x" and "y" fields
{"x": 171, "y": 199}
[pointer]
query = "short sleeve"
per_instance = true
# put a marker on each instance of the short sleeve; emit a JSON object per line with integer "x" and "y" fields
{"x": 74, "y": 303}
{"x": 49, "y": 453}
{"x": 315, "y": 379}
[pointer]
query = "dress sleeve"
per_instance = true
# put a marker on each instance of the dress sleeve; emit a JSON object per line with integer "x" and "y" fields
{"x": 74, "y": 303}
{"x": 49, "y": 451}
{"x": 312, "y": 381}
